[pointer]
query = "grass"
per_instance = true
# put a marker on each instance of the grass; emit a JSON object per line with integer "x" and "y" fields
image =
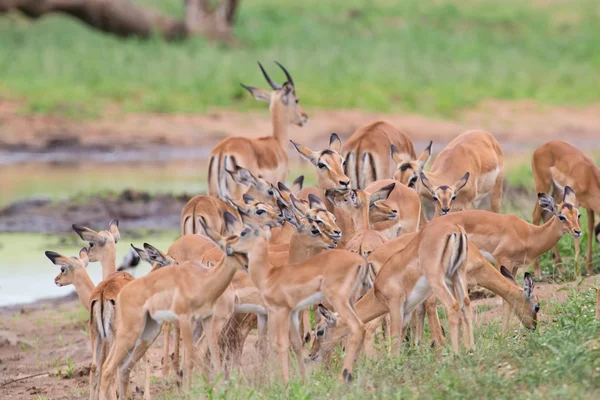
{"x": 559, "y": 360}
{"x": 430, "y": 56}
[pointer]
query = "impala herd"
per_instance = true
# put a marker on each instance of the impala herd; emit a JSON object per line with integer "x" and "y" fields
{"x": 255, "y": 253}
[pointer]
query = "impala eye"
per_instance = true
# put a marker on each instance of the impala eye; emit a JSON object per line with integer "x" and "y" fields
{"x": 244, "y": 233}
{"x": 435, "y": 198}
{"x": 321, "y": 165}
{"x": 579, "y": 216}
{"x": 260, "y": 212}
{"x": 453, "y": 197}
{"x": 63, "y": 270}
{"x": 320, "y": 332}
{"x": 562, "y": 218}
{"x": 315, "y": 232}
{"x": 91, "y": 245}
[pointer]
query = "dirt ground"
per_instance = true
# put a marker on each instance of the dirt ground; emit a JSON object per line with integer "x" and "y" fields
{"x": 523, "y": 124}
{"x": 41, "y": 339}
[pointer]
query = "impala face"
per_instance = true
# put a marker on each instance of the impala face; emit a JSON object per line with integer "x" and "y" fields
{"x": 325, "y": 221}
{"x": 408, "y": 171}
{"x": 260, "y": 188}
{"x": 328, "y": 321}
{"x": 260, "y": 212}
{"x": 529, "y": 315}
{"x": 443, "y": 196}
{"x": 329, "y": 163}
{"x": 227, "y": 243}
{"x": 566, "y": 212}
{"x": 99, "y": 240}
{"x": 68, "y": 266}
{"x": 282, "y": 99}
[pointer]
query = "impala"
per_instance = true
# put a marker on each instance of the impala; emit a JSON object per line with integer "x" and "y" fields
{"x": 178, "y": 292}
{"x": 434, "y": 261}
{"x": 556, "y": 165}
{"x": 334, "y": 275}
{"x": 367, "y": 153}
{"x": 408, "y": 170}
{"x": 470, "y": 168}
{"x": 265, "y": 157}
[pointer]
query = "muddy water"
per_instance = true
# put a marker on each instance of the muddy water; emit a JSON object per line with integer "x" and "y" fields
{"x": 27, "y": 275}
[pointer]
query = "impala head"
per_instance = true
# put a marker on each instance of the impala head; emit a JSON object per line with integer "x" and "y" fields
{"x": 154, "y": 256}
{"x": 227, "y": 243}
{"x": 566, "y": 211}
{"x": 323, "y": 219}
{"x": 329, "y": 320}
{"x": 257, "y": 187}
{"x": 408, "y": 171}
{"x": 329, "y": 163}
{"x": 68, "y": 266}
{"x": 100, "y": 243}
{"x": 282, "y": 100}
{"x": 354, "y": 200}
{"x": 443, "y": 196}
{"x": 526, "y": 311}
{"x": 258, "y": 211}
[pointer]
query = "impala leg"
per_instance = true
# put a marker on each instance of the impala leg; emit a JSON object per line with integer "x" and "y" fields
{"x": 437, "y": 333}
{"x": 306, "y": 327}
{"x": 460, "y": 288}
{"x": 419, "y": 323}
{"x": 279, "y": 321}
{"x": 590, "y": 244}
{"x": 177, "y": 335}
{"x": 296, "y": 341}
{"x": 397, "y": 325}
{"x": 356, "y": 337}
{"x": 535, "y": 220}
{"x": 185, "y": 327}
{"x": 166, "y": 360}
{"x": 441, "y": 291}
{"x": 212, "y": 334}
{"x": 262, "y": 335}
{"x": 598, "y": 305}
{"x": 146, "y": 362}
{"x": 96, "y": 363}
{"x": 577, "y": 245}
{"x": 506, "y": 311}
{"x": 370, "y": 333}
{"x": 496, "y": 197}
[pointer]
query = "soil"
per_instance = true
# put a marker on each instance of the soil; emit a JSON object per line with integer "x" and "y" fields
{"x": 139, "y": 210}
{"x": 521, "y": 124}
{"x": 39, "y": 340}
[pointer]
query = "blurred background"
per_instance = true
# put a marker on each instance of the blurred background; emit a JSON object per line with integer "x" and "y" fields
{"x": 108, "y": 109}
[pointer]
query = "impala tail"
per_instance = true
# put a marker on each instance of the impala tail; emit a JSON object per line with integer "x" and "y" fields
{"x": 213, "y": 175}
{"x": 369, "y": 169}
{"x": 102, "y": 313}
{"x": 455, "y": 251}
{"x": 351, "y": 169}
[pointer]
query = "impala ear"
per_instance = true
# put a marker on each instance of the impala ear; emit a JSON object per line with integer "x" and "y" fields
{"x": 297, "y": 184}
{"x": 113, "y": 228}
{"x": 335, "y": 143}
{"x": 332, "y": 196}
{"x": 307, "y": 153}
{"x": 328, "y": 315}
{"x": 83, "y": 256}
{"x": 425, "y": 156}
{"x": 155, "y": 255}
{"x": 288, "y": 214}
{"x": 353, "y": 197}
{"x": 142, "y": 254}
{"x": 396, "y": 156}
{"x": 259, "y": 94}
{"x": 569, "y": 196}
{"x": 248, "y": 199}
{"x": 426, "y": 184}
{"x": 382, "y": 194}
{"x": 547, "y": 202}
{"x": 88, "y": 234}
{"x": 57, "y": 259}
{"x": 240, "y": 175}
{"x": 507, "y": 274}
{"x": 315, "y": 202}
{"x": 301, "y": 206}
{"x": 528, "y": 286}
{"x": 233, "y": 226}
{"x": 461, "y": 182}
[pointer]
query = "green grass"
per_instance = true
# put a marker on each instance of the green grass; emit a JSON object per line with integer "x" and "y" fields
{"x": 430, "y": 56}
{"x": 559, "y": 360}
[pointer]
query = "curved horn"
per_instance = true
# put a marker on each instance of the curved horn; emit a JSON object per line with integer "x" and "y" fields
{"x": 274, "y": 86}
{"x": 287, "y": 74}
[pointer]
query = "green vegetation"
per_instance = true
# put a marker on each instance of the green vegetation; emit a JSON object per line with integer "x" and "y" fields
{"x": 559, "y": 360}
{"x": 434, "y": 57}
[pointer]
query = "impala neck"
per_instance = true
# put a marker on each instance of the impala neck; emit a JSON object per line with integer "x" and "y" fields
{"x": 542, "y": 238}
{"x": 219, "y": 277}
{"x": 280, "y": 125}
{"x": 259, "y": 265}
{"x": 301, "y": 248}
{"x": 109, "y": 262}
{"x": 84, "y": 287}
{"x": 360, "y": 217}
{"x": 490, "y": 278}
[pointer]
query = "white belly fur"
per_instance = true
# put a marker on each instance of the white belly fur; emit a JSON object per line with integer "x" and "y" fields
{"x": 164, "y": 315}
{"x": 310, "y": 300}
{"x": 485, "y": 184}
{"x": 420, "y": 292}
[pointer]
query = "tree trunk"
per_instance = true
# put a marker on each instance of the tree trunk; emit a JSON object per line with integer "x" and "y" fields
{"x": 126, "y": 18}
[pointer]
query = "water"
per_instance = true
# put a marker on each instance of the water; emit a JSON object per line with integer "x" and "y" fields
{"x": 28, "y": 275}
